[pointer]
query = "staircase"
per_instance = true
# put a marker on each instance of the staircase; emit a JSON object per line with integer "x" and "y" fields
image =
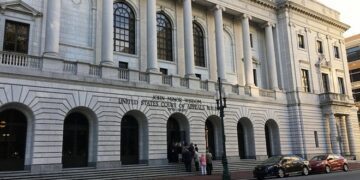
{"x": 125, "y": 172}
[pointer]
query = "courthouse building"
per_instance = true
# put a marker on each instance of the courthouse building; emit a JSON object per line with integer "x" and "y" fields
{"x": 104, "y": 83}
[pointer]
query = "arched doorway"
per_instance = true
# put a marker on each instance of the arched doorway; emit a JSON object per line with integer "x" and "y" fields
{"x": 177, "y": 135}
{"x": 13, "y": 130}
{"x": 246, "y": 143}
{"x": 75, "y": 141}
{"x": 129, "y": 140}
{"x": 272, "y": 138}
{"x": 213, "y": 136}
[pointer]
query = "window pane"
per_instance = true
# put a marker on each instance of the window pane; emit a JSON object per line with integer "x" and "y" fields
{"x": 16, "y": 37}
{"x": 164, "y": 37}
{"x": 198, "y": 36}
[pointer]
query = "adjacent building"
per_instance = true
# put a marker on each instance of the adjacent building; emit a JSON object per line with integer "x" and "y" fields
{"x": 104, "y": 83}
{"x": 353, "y": 55}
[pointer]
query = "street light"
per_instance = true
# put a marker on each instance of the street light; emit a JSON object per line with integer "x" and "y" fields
{"x": 221, "y": 105}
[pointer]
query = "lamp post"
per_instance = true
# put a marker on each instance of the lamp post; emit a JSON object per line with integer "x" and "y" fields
{"x": 221, "y": 105}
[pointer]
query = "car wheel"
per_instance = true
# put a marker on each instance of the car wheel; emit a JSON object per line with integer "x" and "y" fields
{"x": 281, "y": 173}
{"x": 305, "y": 171}
{"x": 327, "y": 169}
{"x": 345, "y": 168}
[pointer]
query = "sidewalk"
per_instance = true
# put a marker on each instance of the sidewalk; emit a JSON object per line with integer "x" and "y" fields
{"x": 240, "y": 175}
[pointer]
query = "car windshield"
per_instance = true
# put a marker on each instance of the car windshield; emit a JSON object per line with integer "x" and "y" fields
{"x": 319, "y": 158}
{"x": 273, "y": 159}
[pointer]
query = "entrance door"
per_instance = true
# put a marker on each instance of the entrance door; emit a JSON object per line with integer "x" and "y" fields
{"x": 241, "y": 141}
{"x": 174, "y": 139}
{"x": 75, "y": 141}
{"x": 210, "y": 138}
{"x": 129, "y": 140}
{"x": 13, "y": 127}
{"x": 268, "y": 141}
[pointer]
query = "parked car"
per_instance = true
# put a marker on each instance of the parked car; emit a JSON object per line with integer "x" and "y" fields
{"x": 282, "y": 166}
{"x": 328, "y": 162}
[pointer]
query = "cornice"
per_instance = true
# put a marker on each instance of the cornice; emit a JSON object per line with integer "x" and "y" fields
{"x": 266, "y": 3}
{"x": 311, "y": 13}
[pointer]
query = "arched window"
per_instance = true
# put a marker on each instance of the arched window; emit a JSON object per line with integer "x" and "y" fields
{"x": 199, "y": 49}
{"x": 124, "y": 28}
{"x": 164, "y": 37}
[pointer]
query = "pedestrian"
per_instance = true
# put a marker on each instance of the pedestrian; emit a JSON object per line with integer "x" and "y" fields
{"x": 187, "y": 160}
{"x": 209, "y": 166}
{"x": 196, "y": 161}
{"x": 196, "y": 148}
{"x": 203, "y": 164}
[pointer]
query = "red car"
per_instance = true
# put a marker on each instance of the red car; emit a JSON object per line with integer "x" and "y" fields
{"x": 328, "y": 162}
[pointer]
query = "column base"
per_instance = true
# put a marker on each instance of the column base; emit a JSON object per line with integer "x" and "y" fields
{"x": 107, "y": 63}
{"x": 51, "y": 54}
{"x": 152, "y": 70}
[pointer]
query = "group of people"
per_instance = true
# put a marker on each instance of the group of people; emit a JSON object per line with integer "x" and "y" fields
{"x": 190, "y": 153}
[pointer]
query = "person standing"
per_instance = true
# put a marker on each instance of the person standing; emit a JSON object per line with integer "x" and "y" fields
{"x": 209, "y": 166}
{"x": 196, "y": 161}
{"x": 196, "y": 148}
{"x": 203, "y": 164}
{"x": 187, "y": 160}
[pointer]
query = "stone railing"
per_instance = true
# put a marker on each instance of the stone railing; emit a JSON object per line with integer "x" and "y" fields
{"x": 329, "y": 98}
{"x": 50, "y": 64}
{"x": 124, "y": 74}
{"x": 204, "y": 85}
{"x": 167, "y": 79}
{"x": 267, "y": 93}
{"x": 20, "y": 60}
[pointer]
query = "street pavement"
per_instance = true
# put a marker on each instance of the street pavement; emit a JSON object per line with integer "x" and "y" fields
{"x": 353, "y": 174}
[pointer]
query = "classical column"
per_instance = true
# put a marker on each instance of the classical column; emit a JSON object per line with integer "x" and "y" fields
{"x": 334, "y": 134}
{"x": 219, "y": 36}
{"x": 107, "y": 33}
{"x": 151, "y": 37}
{"x": 344, "y": 136}
{"x": 270, "y": 51}
{"x": 188, "y": 39}
{"x": 52, "y": 27}
{"x": 351, "y": 137}
{"x": 249, "y": 77}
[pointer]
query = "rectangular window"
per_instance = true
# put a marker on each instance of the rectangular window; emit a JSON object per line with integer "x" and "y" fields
{"x": 336, "y": 52}
{"x": 255, "y": 77}
{"x": 123, "y": 65}
{"x": 16, "y": 37}
{"x": 198, "y": 76}
{"x": 319, "y": 47}
{"x": 356, "y": 95}
{"x": 163, "y": 71}
{"x": 305, "y": 80}
{"x": 355, "y": 75}
{"x": 316, "y": 139}
{"x": 325, "y": 81}
{"x": 341, "y": 85}
{"x": 301, "y": 41}
{"x": 251, "y": 41}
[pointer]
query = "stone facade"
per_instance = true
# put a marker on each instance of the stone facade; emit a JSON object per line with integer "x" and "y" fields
{"x": 71, "y": 67}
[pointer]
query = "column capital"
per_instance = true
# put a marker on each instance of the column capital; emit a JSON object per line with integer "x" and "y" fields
{"x": 218, "y": 7}
{"x": 268, "y": 24}
{"x": 246, "y": 16}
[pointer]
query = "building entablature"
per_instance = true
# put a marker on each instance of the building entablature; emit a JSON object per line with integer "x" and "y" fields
{"x": 289, "y": 5}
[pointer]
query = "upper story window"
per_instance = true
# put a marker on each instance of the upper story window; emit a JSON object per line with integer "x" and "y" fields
{"x": 164, "y": 37}
{"x": 353, "y": 53}
{"x": 16, "y": 37}
{"x": 355, "y": 75}
{"x": 305, "y": 80}
{"x": 319, "y": 46}
{"x": 255, "y": 77}
{"x": 124, "y": 28}
{"x": 199, "y": 48}
{"x": 325, "y": 82}
{"x": 301, "y": 41}
{"x": 356, "y": 94}
{"x": 341, "y": 85}
{"x": 163, "y": 71}
{"x": 336, "y": 52}
{"x": 123, "y": 65}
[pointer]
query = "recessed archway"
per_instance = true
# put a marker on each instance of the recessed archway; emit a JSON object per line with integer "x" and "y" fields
{"x": 246, "y": 142}
{"x": 134, "y": 138}
{"x": 272, "y": 138}
{"x": 213, "y": 136}
{"x": 177, "y": 135}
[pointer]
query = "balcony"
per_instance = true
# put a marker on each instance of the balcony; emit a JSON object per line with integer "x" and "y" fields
{"x": 83, "y": 71}
{"x": 334, "y": 99}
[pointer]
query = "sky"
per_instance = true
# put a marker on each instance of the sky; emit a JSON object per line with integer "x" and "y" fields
{"x": 349, "y": 13}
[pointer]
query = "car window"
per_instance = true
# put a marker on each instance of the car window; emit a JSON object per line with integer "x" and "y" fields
{"x": 319, "y": 158}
